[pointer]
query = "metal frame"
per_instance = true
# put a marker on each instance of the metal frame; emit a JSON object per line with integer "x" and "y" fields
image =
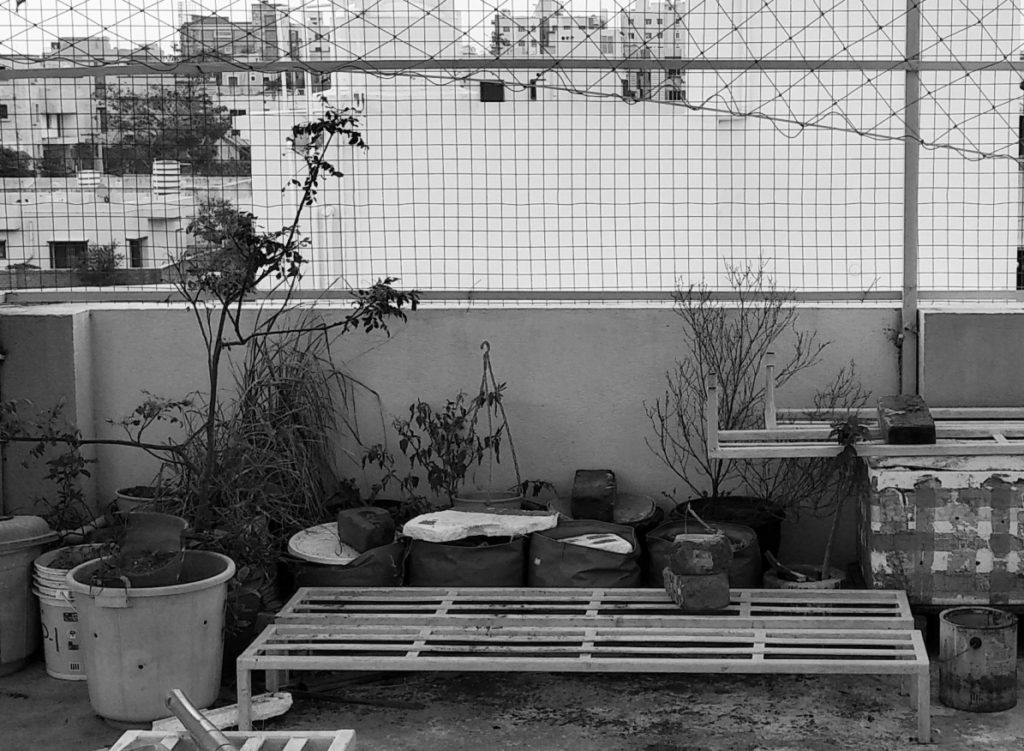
{"x": 960, "y": 431}
{"x": 415, "y": 629}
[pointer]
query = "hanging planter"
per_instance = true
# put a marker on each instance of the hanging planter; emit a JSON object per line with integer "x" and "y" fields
{"x": 447, "y": 442}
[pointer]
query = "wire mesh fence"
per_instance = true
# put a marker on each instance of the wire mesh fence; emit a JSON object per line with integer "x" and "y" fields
{"x": 543, "y": 148}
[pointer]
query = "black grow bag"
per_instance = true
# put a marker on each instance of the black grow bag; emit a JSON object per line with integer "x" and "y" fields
{"x": 554, "y": 563}
{"x": 383, "y": 566}
{"x": 472, "y": 562}
{"x": 744, "y": 571}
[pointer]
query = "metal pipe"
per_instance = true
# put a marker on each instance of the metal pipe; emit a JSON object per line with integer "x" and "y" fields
{"x": 911, "y": 185}
{"x": 206, "y": 735}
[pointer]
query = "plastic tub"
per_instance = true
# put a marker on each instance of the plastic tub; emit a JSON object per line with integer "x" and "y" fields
{"x": 22, "y": 540}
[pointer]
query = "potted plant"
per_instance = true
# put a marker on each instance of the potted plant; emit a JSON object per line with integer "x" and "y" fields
{"x": 228, "y": 478}
{"x": 848, "y": 474}
{"x": 447, "y": 442}
{"x": 729, "y": 343}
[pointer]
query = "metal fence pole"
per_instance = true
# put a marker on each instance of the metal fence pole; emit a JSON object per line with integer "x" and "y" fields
{"x": 911, "y": 183}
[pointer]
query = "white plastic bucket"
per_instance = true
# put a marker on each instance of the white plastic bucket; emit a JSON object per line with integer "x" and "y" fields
{"x": 61, "y": 648}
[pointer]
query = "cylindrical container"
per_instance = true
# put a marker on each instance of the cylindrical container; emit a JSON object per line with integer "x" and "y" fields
{"x": 51, "y": 568}
{"x": 61, "y": 645}
{"x": 22, "y": 539}
{"x": 135, "y": 498}
{"x": 59, "y": 619}
{"x": 978, "y": 659}
{"x": 139, "y": 643}
{"x": 166, "y": 177}
{"x": 486, "y": 501}
{"x": 89, "y": 179}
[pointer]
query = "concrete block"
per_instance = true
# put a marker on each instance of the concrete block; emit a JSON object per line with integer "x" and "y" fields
{"x": 905, "y": 419}
{"x": 365, "y": 528}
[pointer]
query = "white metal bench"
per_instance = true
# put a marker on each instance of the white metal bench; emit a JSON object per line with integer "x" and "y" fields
{"x": 589, "y": 630}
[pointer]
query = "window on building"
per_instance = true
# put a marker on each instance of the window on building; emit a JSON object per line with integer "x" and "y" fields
{"x": 136, "y": 252}
{"x": 65, "y": 254}
{"x": 492, "y": 91}
{"x": 101, "y": 116}
{"x": 3, "y": 112}
{"x": 236, "y": 113}
{"x": 55, "y": 122}
{"x": 232, "y": 80}
{"x": 3, "y": 249}
{"x": 647, "y": 22}
{"x": 660, "y": 21}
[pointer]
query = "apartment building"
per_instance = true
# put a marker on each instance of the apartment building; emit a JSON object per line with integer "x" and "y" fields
{"x": 58, "y": 122}
{"x": 649, "y": 29}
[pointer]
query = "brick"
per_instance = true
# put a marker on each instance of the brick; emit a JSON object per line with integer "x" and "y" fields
{"x": 700, "y": 554}
{"x": 365, "y": 528}
{"x": 697, "y": 593}
{"x": 905, "y": 419}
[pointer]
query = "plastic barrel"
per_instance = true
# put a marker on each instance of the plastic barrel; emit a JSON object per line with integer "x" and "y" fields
{"x": 978, "y": 659}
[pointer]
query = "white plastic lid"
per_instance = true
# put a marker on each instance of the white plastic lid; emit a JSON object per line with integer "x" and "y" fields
{"x": 320, "y": 544}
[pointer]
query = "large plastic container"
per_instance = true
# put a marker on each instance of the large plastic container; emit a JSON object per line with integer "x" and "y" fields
{"x": 22, "y": 539}
{"x": 139, "y": 643}
{"x": 978, "y": 659}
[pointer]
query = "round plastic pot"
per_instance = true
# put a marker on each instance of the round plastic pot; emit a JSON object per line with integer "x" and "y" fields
{"x": 486, "y": 500}
{"x": 139, "y": 643}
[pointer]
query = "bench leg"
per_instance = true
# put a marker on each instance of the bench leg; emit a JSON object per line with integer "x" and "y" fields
{"x": 275, "y": 679}
{"x": 243, "y": 685}
{"x": 922, "y": 700}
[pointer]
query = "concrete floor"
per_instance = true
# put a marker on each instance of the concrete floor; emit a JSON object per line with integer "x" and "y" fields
{"x": 545, "y": 712}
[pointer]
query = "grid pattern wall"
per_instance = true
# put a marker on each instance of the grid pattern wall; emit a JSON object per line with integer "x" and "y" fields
{"x": 562, "y": 147}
